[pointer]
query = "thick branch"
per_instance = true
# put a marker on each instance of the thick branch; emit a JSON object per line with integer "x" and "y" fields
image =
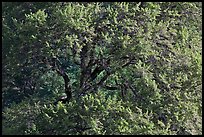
{"x": 111, "y": 87}
{"x": 83, "y": 56}
{"x": 96, "y": 72}
{"x": 56, "y": 65}
{"x": 66, "y": 83}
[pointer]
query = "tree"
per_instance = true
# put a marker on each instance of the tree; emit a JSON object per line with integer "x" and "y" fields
{"x": 149, "y": 52}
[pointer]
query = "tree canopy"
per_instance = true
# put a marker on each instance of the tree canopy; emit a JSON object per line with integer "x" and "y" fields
{"x": 112, "y": 60}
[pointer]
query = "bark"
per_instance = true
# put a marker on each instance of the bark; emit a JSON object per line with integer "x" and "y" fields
{"x": 56, "y": 65}
{"x": 83, "y": 56}
{"x": 96, "y": 72}
{"x": 111, "y": 87}
{"x": 66, "y": 84}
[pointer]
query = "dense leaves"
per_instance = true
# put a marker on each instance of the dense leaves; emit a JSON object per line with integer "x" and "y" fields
{"x": 125, "y": 68}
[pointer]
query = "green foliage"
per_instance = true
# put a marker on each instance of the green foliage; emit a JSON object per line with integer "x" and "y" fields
{"x": 93, "y": 114}
{"x": 155, "y": 64}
